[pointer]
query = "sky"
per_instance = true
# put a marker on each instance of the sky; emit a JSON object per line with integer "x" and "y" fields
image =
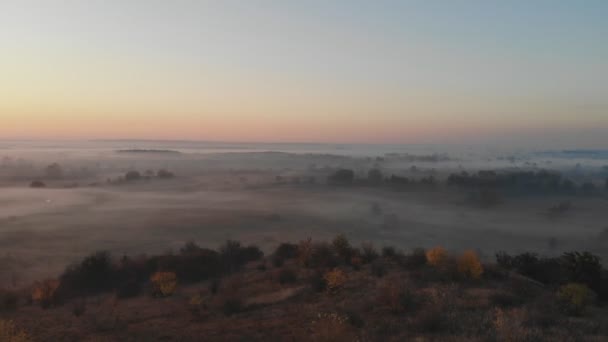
{"x": 533, "y": 71}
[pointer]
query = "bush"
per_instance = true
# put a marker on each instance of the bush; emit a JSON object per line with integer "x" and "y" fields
{"x": 375, "y": 176}
{"x": 368, "y": 252}
{"x": 322, "y": 256}
{"x": 469, "y": 265}
{"x": 44, "y": 292}
{"x": 196, "y": 304}
{"x": 335, "y": 279}
{"x": 37, "y": 184}
{"x": 195, "y": 265}
{"x": 234, "y": 256}
{"x": 342, "y": 176}
{"x": 214, "y": 286}
{"x": 342, "y": 247}
{"x": 287, "y": 276}
{"x": 10, "y": 333}
{"x": 79, "y": 307}
{"x": 8, "y": 300}
{"x": 356, "y": 262}
{"x": 574, "y": 298}
{"x": 93, "y": 275}
{"x": 132, "y": 176}
{"x": 305, "y": 252}
{"x": 128, "y": 289}
{"x": 415, "y": 260}
{"x": 437, "y": 257}
{"x": 318, "y": 282}
{"x": 389, "y": 252}
{"x": 163, "y": 284}
{"x": 283, "y": 252}
{"x": 585, "y": 268}
{"x": 231, "y": 306}
{"x": 378, "y": 268}
{"x": 544, "y": 270}
{"x": 164, "y": 174}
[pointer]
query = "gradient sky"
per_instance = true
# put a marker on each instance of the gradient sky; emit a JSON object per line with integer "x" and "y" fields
{"x": 327, "y": 71}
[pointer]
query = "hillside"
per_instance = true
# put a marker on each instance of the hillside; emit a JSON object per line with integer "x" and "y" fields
{"x": 315, "y": 292}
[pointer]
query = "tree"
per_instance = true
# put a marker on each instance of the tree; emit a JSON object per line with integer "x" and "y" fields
{"x": 164, "y": 174}
{"x": 37, "y": 184}
{"x": 342, "y": 176}
{"x": 375, "y": 176}
{"x": 54, "y": 171}
{"x": 132, "y": 176}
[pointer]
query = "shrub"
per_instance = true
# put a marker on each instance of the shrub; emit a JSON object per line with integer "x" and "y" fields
{"x": 469, "y": 265}
{"x": 318, "y": 282}
{"x": 342, "y": 247}
{"x": 231, "y": 306}
{"x": 342, "y": 176}
{"x": 10, "y": 333}
{"x": 214, "y": 286}
{"x": 37, "y": 184}
{"x": 305, "y": 252}
{"x": 190, "y": 248}
{"x": 585, "y": 268}
{"x": 163, "y": 283}
{"x": 79, "y": 307}
{"x": 378, "y": 268}
{"x": 574, "y": 298}
{"x": 544, "y": 270}
{"x": 128, "y": 288}
{"x": 437, "y": 257}
{"x": 8, "y": 300}
{"x": 234, "y": 256}
{"x": 132, "y": 176}
{"x": 335, "y": 279}
{"x": 93, "y": 275}
{"x": 322, "y": 256}
{"x": 356, "y": 262}
{"x": 196, "y": 304}
{"x": 287, "y": 276}
{"x": 416, "y": 259}
{"x": 368, "y": 252}
{"x": 164, "y": 174}
{"x": 199, "y": 264}
{"x": 375, "y": 176}
{"x": 389, "y": 252}
{"x": 283, "y": 252}
{"x": 44, "y": 292}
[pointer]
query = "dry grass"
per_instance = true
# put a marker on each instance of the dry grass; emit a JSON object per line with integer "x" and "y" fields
{"x": 252, "y": 305}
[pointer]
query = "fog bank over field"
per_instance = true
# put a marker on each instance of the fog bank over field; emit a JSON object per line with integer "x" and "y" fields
{"x": 132, "y": 197}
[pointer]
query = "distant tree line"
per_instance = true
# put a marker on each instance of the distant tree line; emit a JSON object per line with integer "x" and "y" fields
{"x": 521, "y": 182}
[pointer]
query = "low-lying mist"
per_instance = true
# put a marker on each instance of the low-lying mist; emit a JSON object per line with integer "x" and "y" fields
{"x": 59, "y": 203}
